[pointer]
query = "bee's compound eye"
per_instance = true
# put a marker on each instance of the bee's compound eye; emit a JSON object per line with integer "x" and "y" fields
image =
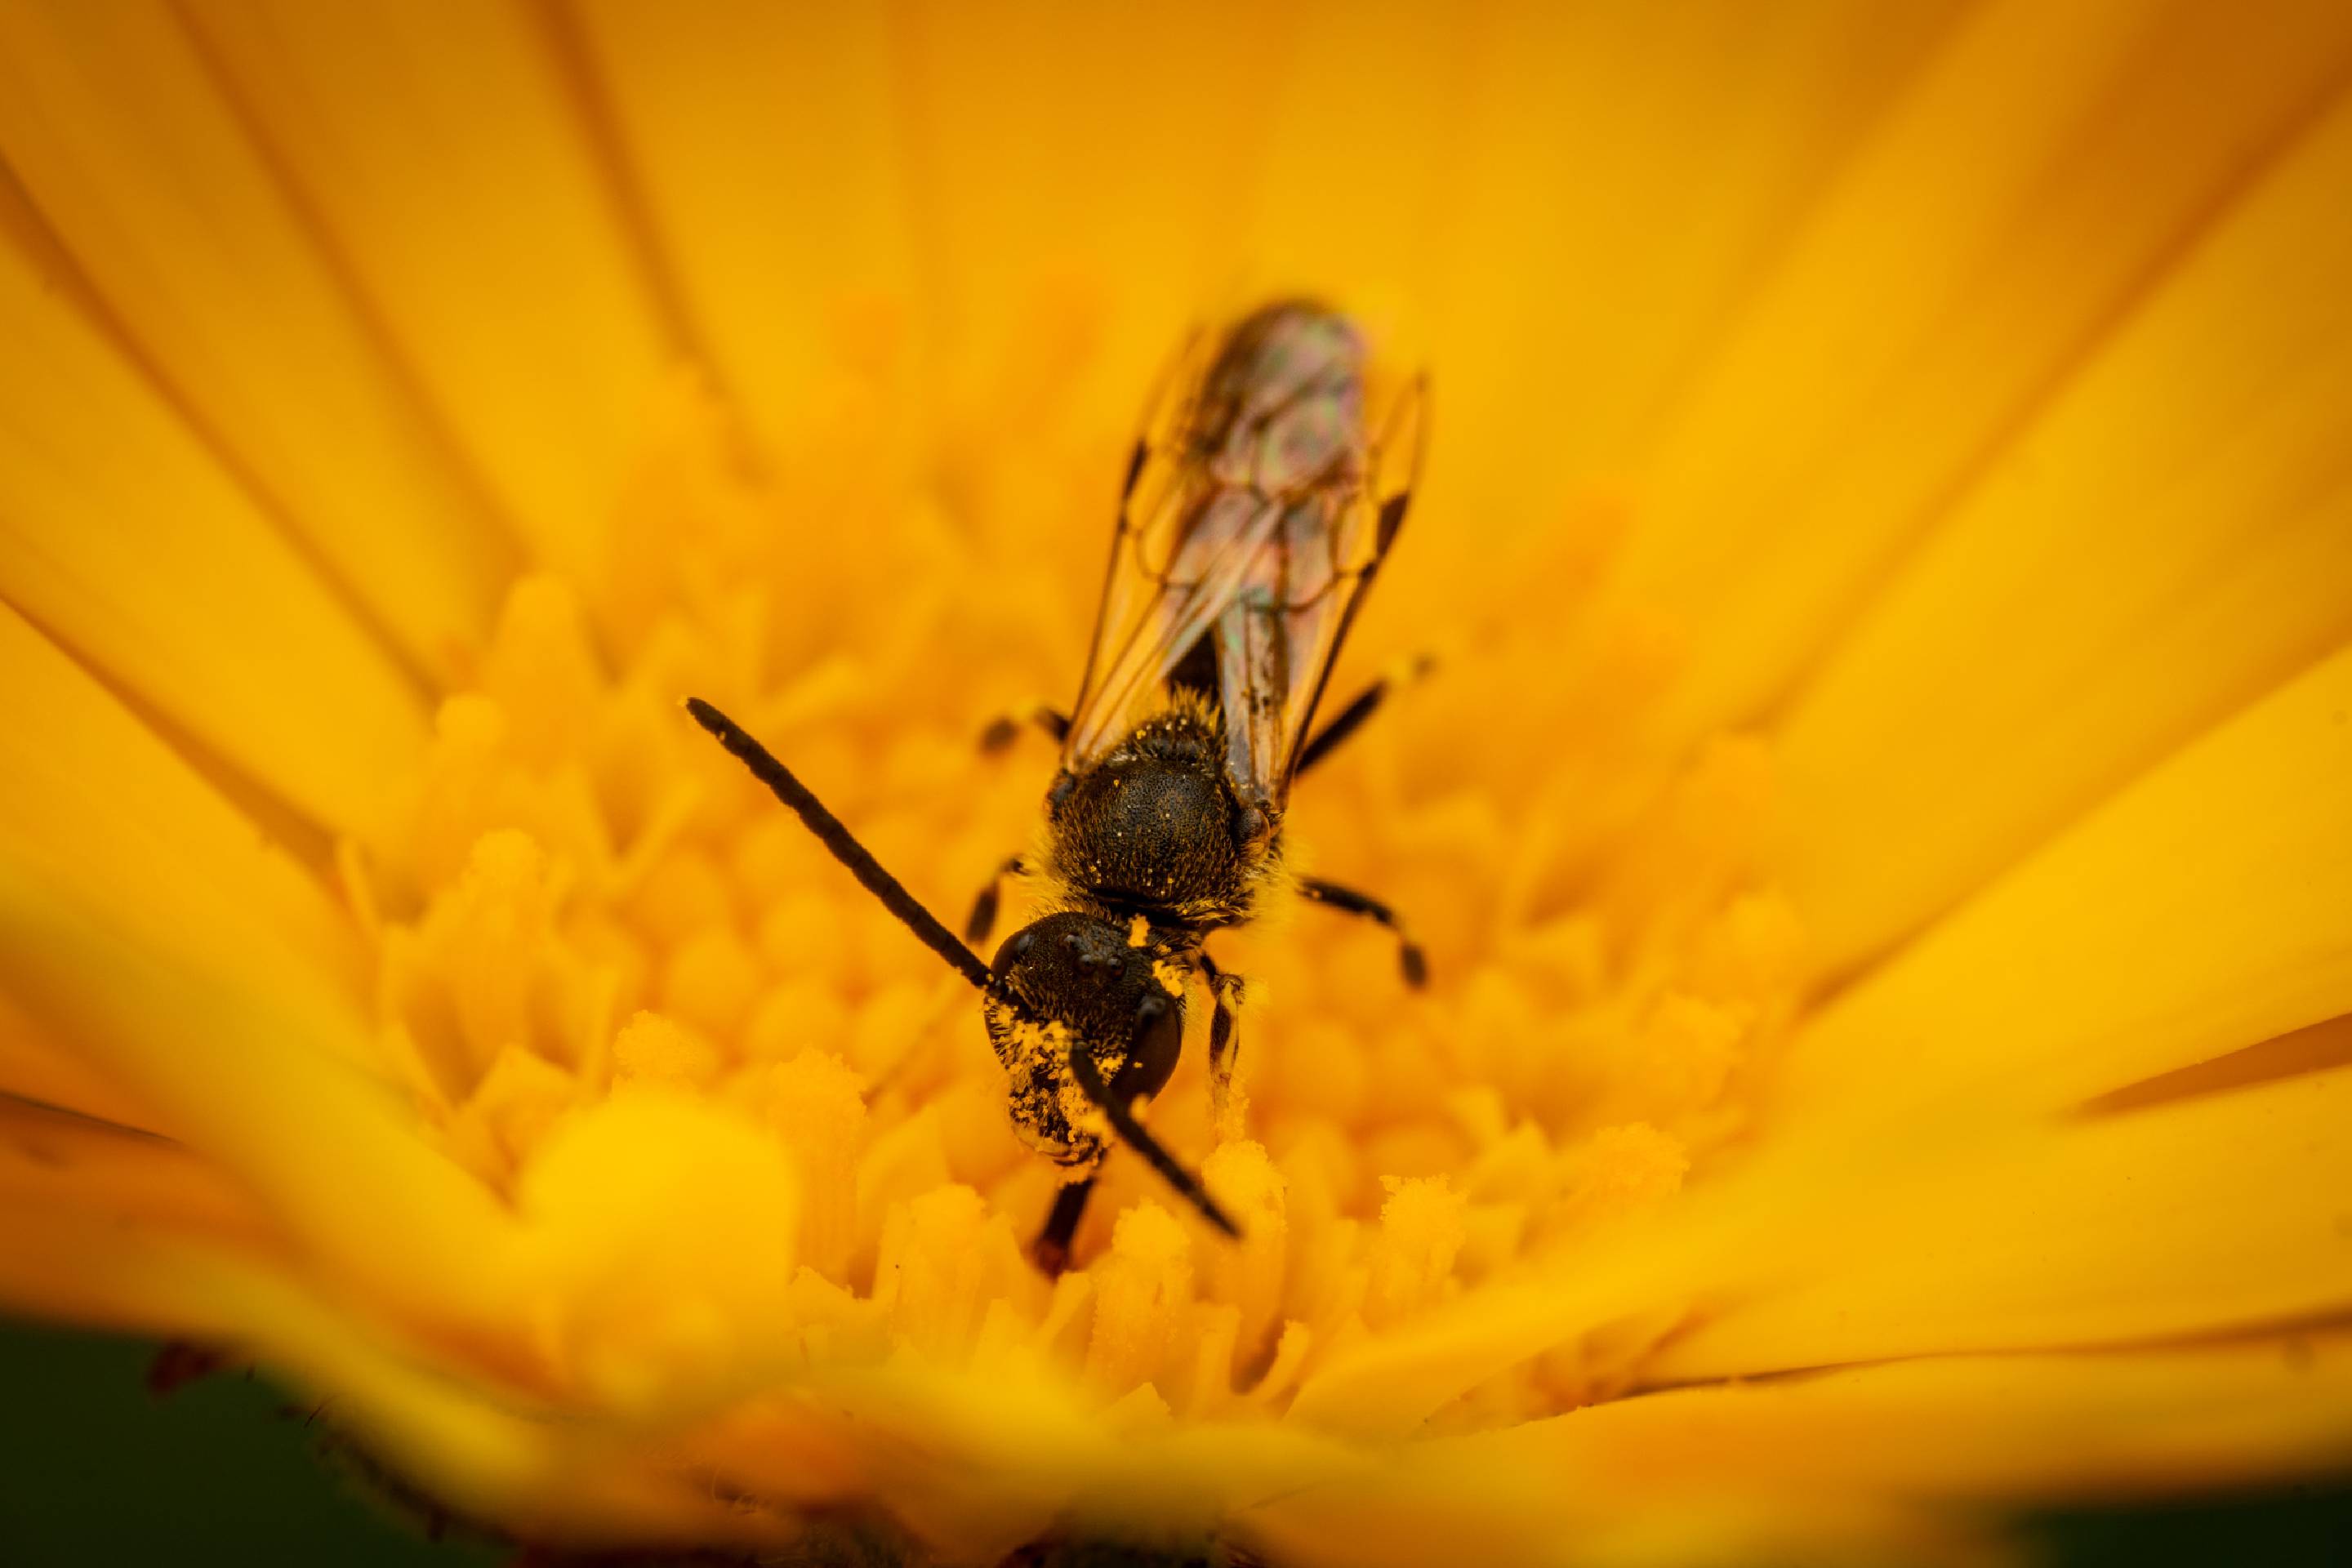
{"x": 1019, "y": 953}
{"x": 1158, "y": 1040}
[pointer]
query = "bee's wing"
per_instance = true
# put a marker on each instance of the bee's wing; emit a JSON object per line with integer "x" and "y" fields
{"x": 1185, "y": 549}
{"x": 1148, "y": 617}
{"x": 1279, "y": 638}
{"x": 1277, "y": 579}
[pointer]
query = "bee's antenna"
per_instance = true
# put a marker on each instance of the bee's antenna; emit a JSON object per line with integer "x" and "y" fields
{"x": 845, "y": 849}
{"x": 1131, "y": 1132}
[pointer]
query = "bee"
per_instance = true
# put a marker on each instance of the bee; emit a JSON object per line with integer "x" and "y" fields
{"x": 1255, "y": 512}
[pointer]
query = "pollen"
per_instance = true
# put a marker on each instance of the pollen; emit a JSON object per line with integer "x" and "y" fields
{"x": 654, "y": 1050}
{"x": 1143, "y": 1296}
{"x": 603, "y": 907}
{"x": 597, "y": 938}
{"x": 1854, "y": 723}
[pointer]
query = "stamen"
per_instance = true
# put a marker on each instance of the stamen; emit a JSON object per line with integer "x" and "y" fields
{"x": 592, "y": 912}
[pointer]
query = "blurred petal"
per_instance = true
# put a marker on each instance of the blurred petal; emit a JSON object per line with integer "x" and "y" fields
{"x": 670, "y": 1231}
{"x": 1008, "y": 1453}
{"x": 2172, "y": 537}
{"x": 348, "y": 1173}
{"x": 55, "y": 1162}
{"x": 1786, "y": 1470}
{"x": 2181, "y": 1220}
{"x": 447, "y": 167}
{"x": 2096, "y": 964}
{"x": 1107, "y": 155}
{"x": 203, "y": 975}
{"x": 2027, "y": 192}
{"x": 763, "y": 140}
{"x": 751, "y": 1258}
{"x": 2193, "y": 1218}
{"x": 2050, "y": 1427}
{"x": 125, "y": 539}
{"x": 1385, "y": 1387}
{"x": 2200, "y": 912}
{"x": 476, "y": 1449}
{"x": 1373, "y": 112}
{"x": 62, "y": 1261}
{"x": 142, "y": 171}
{"x": 1927, "y": 1100}
{"x": 94, "y": 805}
{"x": 37, "y": 1067}
{"x": 1626, "y": 171}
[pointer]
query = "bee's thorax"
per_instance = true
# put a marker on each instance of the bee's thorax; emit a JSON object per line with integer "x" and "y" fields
{"x": 1155, "y": 829}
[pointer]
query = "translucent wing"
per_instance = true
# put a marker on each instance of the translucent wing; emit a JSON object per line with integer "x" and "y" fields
{"x": 1254, "y": 516}
{"x": 1278, "y": 638}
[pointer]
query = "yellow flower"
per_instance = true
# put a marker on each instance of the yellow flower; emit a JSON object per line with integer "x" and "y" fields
{"x": 1879, "y": 824}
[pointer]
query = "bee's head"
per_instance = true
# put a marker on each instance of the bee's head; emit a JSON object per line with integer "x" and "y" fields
{"x": 1081, "y": 973}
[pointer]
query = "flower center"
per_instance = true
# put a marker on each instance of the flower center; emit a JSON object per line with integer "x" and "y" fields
{"x": 589, "y": 909}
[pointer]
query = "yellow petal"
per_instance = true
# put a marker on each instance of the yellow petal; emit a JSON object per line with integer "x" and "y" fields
{"x": 1065, "y": 156}
{"x": 125, "y": 539}
{"x": 763, "y": 140}
{"x": 972, "y": 1463}
{"x": 340, "y": 1161}
{"x": 442, "y": 152}
{"x": 209, "y": 980}
{"x": 2100, "y": 962}
{"x": 1625, "y": 171}
{"x": 94, "y": 806}
{"x": 2184, "y": 1219}
{"x": 976, "y": 1462}
{"x": 2010, "y": 1428}
{"x": 2200, "y": 912}
{"x": 1811, "y": 1468}
{"x": 86, "y": 1265}
{"x": 36, "y": 1068}
{"x": 2179, "y": 1221}
{"x": 2172, "y": 537}
{"x": 2314, "y": 1049}
{"x": 478, "y": 1450}
{"x": 1385, "y": 1386}
{"x": 55, "y": 1163}
{"x": 1371, "y": 114}
{"x": 141, "y": 168}
{"x": 666, "y": 1230}
{"x": 646, "y": 1270}
{"x": 2050, "y": 163}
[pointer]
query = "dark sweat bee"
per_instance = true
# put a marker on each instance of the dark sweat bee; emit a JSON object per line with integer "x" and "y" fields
{"x": 1256, "y": 510}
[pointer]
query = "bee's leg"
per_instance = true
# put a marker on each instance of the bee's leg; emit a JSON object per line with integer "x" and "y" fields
{"x": 983, "y": 908}
{"x": 1346, "y": 721}
{"x": 1225, "y": 1031}
{"x": 1409, "y": 953}
{"x": 1120, "y": 1111}
{"x": 1002, "y": 729}
{"x": 1052, "y": 1247}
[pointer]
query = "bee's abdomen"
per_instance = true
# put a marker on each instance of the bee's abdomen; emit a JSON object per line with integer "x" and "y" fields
{"x": 1284, "y": 404}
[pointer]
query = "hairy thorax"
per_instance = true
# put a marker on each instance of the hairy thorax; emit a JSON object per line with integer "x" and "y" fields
{"x": 1154, "y": 829}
